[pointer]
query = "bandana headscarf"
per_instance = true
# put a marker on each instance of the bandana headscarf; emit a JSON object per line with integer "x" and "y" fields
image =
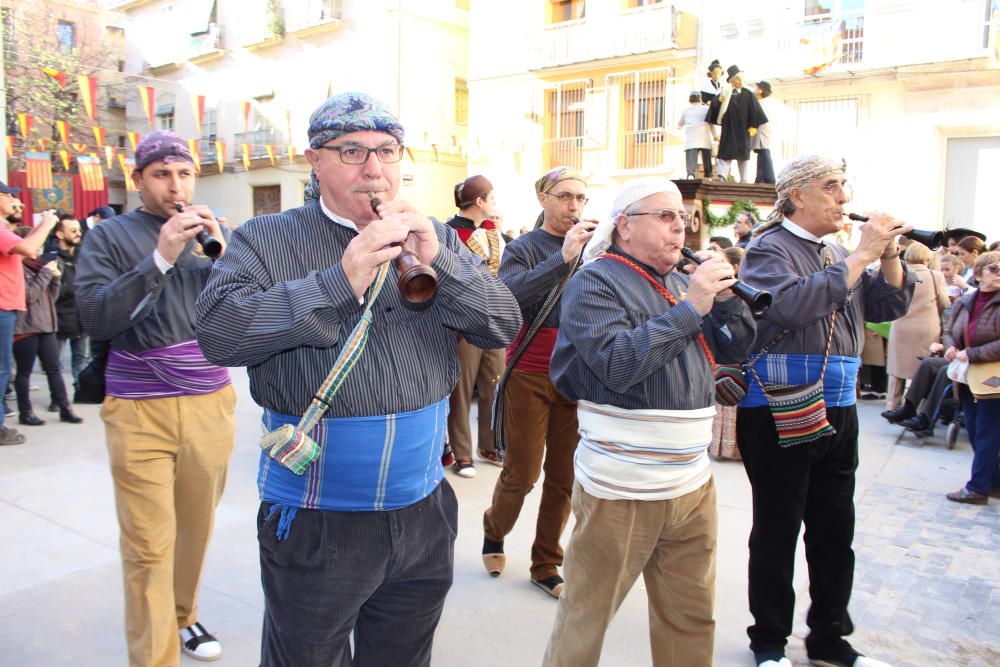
{"x": 557, "y": 175}
{"x": 161, "y": 146}
{"x": 631, "y": 192}
{"x": 797, "y": 173}
{"x": 343, "y": 114}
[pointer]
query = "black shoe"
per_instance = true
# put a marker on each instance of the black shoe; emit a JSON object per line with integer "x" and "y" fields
{"x": 905, "y": 411}
{"x": 916, "y": 423}
{"x": 494, "y": 559}
{"x": 53, "y": 407}
{"x": 66, "y": 414}
{"x": 30, "y": 419}
{"x": 552, "y": 585}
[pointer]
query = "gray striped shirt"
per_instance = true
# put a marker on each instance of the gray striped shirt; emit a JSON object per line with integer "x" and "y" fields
{"x": 621, "y": 343}
{"x": 279, "y": 303}
{"x": 532, "y": 265}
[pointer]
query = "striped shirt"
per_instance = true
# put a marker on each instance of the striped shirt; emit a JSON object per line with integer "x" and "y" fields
{"x": 279, "y": 303}
{"x": 621, "y": 343}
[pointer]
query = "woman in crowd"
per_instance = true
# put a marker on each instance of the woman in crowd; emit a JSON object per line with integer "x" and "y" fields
{"x": 913, "y": 333}
{"x": 724, "y": 426}
{"x": 973, "y": 335}
{"x": 969, "y": 250}
{"x": 35, "y": 335}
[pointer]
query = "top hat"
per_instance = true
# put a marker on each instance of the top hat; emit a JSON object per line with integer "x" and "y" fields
{"x": 732, "y": 71}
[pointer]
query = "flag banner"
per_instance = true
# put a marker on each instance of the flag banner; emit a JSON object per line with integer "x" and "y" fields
{"x": 195, "y": 153}
{"x": 91, "y": 174}
{"x": 9, "y": 141}
{"x": 56, "y": 74}
{"x": 128, "y": 166}
{"x": 291, "y": 153}
{"x": 198, "y": 104}
{"x": 24, "y": 125}
{"x": 147, "y": 94}
{"x": 39, "y": 170}
{"x": 270, "y": 153}
{"x": 220, "y": 155}
{"x": 133, "y": 139}
{"x": 79, "y": 148}
{"x": 64, "y": 156}
{"x": 88, "y": 94}
{"x": 98, "y": 135}
{"x": 109, "y": 157}
{"x": 410, "y": 153}
{"x": 246, "y": 156}
{"x": 246, "y": 116}
{"x": 63, "y": 128}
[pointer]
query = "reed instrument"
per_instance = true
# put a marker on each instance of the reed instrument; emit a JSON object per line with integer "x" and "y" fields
{"x": 209, "y": 244}
{"x": 932, "y": 240}
{"x": 758, "y": 300}
{"x": 417, "y": 282}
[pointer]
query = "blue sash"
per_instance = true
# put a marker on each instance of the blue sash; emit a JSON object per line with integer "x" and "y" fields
{"x": 838, "y": 383}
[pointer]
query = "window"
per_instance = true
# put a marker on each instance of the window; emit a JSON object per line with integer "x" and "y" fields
{"x": 988, "y": 7}
{"x": 66, "y": 36}
{"x": 837, "y": 23}
{"x": 564, "y": 118}
{"x": 461, "y": 102}
{"x": 566, "y": 10}
{"x": 165, "y": 117}
{"x": 209, "y": 131}
{"x": 642, "y": 117}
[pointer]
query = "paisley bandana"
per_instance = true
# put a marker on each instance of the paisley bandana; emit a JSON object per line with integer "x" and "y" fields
{"x": 797, "y": 173}
{"x": 161, "y": 146}
{"x": 557, "y": 175}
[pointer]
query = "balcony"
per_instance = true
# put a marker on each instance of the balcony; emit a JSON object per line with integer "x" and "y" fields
{"x": 259, "y": 140}
{"x": 205, "y": 45}
{"x": 306, "y": 16}
{"x": 564, "y": 153}
{"x": 624, "y": 33}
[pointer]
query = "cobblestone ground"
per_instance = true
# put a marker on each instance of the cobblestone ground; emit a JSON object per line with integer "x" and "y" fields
{"x": 927, "y": 581}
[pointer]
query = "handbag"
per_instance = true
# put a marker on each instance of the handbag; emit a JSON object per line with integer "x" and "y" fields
{"x": 799, "y": 411}
{"x": 90, "y": 383}
{"x": 984, "y": 379}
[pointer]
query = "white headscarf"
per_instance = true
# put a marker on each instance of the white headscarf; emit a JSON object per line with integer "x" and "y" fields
{"x": 797, "y": 173}
{"x": 631, "y": 192}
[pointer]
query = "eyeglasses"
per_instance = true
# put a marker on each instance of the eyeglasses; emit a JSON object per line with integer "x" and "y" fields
{"x": 567, "y": 197}
{"x": 994, "y": 269}
{"x": 833, "y": 188}
{"x": 350, "y": 154}
{"x": 667, "y": 215}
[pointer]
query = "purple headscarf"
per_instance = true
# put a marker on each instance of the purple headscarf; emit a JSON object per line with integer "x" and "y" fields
{"x": 161, "y": 146}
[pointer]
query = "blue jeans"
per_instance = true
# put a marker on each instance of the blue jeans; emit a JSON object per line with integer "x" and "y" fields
{"x": 982, "y": 421}
{"x": 7, "y": 319}
{"x": 78, "y": 354}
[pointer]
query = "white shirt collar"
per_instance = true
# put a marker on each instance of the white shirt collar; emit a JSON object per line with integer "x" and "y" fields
{"x": 800, "y": 232}
{"x": 336, "y": 218}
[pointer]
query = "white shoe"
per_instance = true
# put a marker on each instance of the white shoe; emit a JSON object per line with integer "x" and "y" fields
{"x": 199, "y": 643}
{"x": 784, "y": 662}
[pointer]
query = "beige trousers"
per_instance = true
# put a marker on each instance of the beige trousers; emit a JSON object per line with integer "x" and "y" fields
{"x": 672, "y": 543}
{"x": 168, "y": 461}
{"x": 481, "y": 369}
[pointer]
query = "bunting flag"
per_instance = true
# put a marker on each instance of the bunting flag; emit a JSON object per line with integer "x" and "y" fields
{"x": 246, "y": 156}
{"x": 91, "y": 174}
{"x": 195, "y": 153}
{"x": 147, "y": 94}
{"x": 109, "y": 157}
{"x": 410, "y": 153}
{"x": 98, "y": 135}
{"x": 270, "y": 153}
{"x": 64, "y": 156}
{"x": 220, "y": 155}
{"x": 128, "y": 166}
{"x": 63, "y": 128}
{"x": 133, "y": 139}
{"x": 291, "y": 153}
{"x": 9, "y": 145}
{"x": 79, "y": 148}
{"x": 246, "y": 116}
{"x": 44, "y": 143}
{"x": 39, "y": 170}
{"x": 56, "y": 74}
{"x": 88, "y": 94}
{"x": 24, "y": 125}
{"x": 198, "y": 104}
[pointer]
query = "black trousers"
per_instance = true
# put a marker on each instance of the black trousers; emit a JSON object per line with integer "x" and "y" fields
{"x": 46, "y": 347}
{"x": 381, "y": 575}
{"x": 812, "y": 483}
{"x": 928, "y": 382}
{"x": 765, "y": 166}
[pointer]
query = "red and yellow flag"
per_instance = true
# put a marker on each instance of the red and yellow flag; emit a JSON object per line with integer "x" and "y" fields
{"x": 128, "y": 166}
{"x": 133, "y": 139}
{"x": 64, "y": 156}
{"x": 195, "y": 153}
{"x": 147, "y": 94}
{"x": 246, "y": 116}
{"x": 98, "y": 135}
{"x": 9, "y": 145}
{"x": 39, "y": 169}
{"x": 79, "y": 148}
{"x": 63, "y": 128}
{"x": 291, "y": 153}
{"x": 220, "y": 155}
{"x": 91, "y": 174}
{"x": 56, "y": 74}
{"x": 24, "y": 125}
{"x": 88, "y": 94}
{"x": 246, "y": 156}
{"x": 109, "y": 156}
{"x": 198, "y": 104}
{"x": 270, "y": 153}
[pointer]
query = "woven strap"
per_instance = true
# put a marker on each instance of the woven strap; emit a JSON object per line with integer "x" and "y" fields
{"x": 666, "y": 295}
{"x": 347, "y": 358}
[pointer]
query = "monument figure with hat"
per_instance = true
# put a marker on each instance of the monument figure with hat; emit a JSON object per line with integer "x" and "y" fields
{"x": 739, "y": 114}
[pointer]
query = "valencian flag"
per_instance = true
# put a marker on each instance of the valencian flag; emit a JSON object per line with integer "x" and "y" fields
{"x": 88, "y": 94}
{"x": 246, "y": 156}
{"x": 220, "y": 155}
{"x": 56, "y": 74}
{"x": 148, "y": 96}
{"x": 109, "y": 156}
{"x": 91, "y": 174}
{"x": 270, "y": 153}
{"x": 63, "y": 128}
{"x": 128, "y": 166}
{"x": 198, "y": 104}
{"x": 195, "y": 153}
{"x": 39, "y": 169}
{"x": 98, "y": 135}
{"x": 133, "y": 139}
{"x": 24, "y": 125}
{"x": 64, "y": 156}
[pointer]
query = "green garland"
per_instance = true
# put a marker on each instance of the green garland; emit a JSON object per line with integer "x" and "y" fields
{"x": 729, "y": 218}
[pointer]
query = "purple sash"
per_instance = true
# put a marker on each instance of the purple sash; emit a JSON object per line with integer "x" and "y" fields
{"x": 175, "y": 370}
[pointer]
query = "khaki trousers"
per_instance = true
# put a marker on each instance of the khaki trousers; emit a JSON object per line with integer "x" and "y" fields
{"x": 540, "y": 426}
{"x": 672, "y": 543}
{"x": 481, "y": 369}
{"x": 168, "y": 461}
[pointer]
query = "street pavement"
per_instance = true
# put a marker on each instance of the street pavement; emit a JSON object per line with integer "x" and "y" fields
{"x": 927, "y": 584}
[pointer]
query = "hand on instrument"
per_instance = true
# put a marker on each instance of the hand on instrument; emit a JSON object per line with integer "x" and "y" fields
{"x": 713, "y": 276}
{"x": 576, "y": 238}
{"x": 369, "y": 249}
{"x": 211, "y": 225}
{"x": 423, "y": 239}
{"x": 176, "y": 232}
{"x": 879, "y": 234}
